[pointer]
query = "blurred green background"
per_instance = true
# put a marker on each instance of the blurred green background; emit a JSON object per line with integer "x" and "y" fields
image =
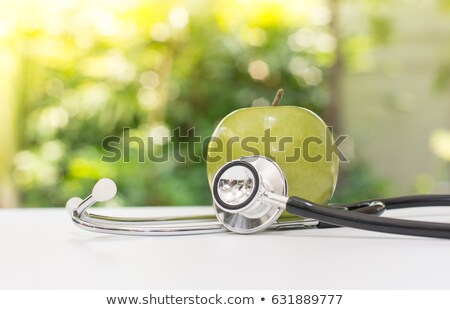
{"x": 73, "y": 72}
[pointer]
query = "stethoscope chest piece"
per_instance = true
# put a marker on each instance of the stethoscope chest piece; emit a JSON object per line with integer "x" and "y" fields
{"x": 238, "y": 192}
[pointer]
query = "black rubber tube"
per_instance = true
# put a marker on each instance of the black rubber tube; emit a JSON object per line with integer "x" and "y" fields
{"x": 305, "y": 208}
{"x": 367, "y": 207}
{"x": 413, "y": 201}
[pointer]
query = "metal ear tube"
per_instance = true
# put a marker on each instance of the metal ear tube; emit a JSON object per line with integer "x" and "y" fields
{"x": 106, "y": 189}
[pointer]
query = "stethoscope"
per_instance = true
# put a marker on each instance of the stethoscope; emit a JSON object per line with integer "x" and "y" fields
{"x": 249, "y": 195}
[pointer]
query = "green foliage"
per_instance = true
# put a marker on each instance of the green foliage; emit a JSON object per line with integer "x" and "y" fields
{"x": 86, "y": 91}
{"x": 359, "y": 183}
{"x": 87, "y": 71}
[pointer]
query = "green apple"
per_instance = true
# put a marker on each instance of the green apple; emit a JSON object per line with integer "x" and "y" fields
{"x": 297, "y": 139}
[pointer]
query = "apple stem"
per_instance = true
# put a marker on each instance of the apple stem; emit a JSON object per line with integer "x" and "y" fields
{"x": 278, "y": 96}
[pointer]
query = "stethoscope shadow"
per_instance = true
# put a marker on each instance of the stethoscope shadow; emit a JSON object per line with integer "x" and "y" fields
{"x": 288, "y": 233}
{"x": 356, "y": 237}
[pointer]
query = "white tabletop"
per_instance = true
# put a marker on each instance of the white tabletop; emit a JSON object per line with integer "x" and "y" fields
{"x": 42, "y": 249}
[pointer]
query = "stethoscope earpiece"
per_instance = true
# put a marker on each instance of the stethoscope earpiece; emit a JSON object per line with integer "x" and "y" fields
{"x": 104, "y": 190}
{"x": 72, "y": 204}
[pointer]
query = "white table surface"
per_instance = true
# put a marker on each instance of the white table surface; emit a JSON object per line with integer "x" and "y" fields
{"x": 42, "y": 249}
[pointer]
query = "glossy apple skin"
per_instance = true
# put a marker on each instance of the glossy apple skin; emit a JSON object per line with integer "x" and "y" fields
{"x": 314, "y": 180}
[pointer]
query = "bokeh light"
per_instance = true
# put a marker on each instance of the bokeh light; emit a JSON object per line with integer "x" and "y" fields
{"x": 76, "y": 71}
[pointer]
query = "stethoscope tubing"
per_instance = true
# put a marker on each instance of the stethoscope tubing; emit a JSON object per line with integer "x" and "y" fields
{"x": 305, "y": 208}
{"x": 146, "y": 228}
{"x": 305, "y": 214}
